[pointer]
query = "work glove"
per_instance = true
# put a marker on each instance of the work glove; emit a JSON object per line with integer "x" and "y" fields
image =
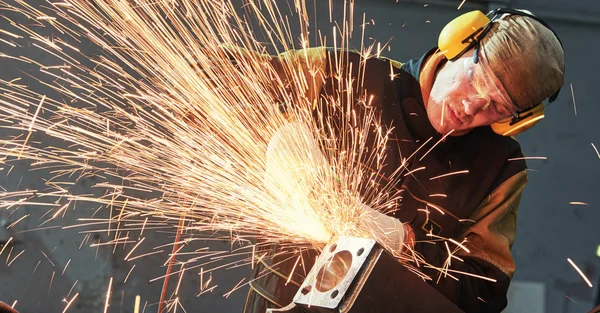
{"x": 394, "y": 236}
{"x": 295, "y": 168}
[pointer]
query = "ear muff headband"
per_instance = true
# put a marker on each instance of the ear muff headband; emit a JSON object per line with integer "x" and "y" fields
{"x": 465, "y": 32}
{"x": 462, "y": 33}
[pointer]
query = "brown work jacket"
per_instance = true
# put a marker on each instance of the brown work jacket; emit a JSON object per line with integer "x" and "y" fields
{"x": 479, "y": 205}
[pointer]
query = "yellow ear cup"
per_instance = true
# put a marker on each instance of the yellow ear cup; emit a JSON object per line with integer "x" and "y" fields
{"x": 458, "y": 35}
{"x": 513, "y": 126}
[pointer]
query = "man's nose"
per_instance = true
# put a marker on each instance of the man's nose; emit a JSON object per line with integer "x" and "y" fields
{"x": 474, "y": 105}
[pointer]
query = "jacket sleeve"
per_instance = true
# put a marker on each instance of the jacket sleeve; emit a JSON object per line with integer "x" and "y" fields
{"x": 298, "y": 74}
{"x": 487, "y": 254}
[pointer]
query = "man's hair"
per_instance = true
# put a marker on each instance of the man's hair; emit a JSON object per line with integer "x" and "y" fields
{"x": 527, "y": 58}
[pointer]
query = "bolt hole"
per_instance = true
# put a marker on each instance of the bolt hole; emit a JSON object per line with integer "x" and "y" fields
{"x": 334, "y": 294}
{"x": 306, "y": 290}
{"x": 360, "y": 251}
{"x": 333, "y": 247}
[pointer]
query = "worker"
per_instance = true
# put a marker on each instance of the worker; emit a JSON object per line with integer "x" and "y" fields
{"x": 485, "y": 82}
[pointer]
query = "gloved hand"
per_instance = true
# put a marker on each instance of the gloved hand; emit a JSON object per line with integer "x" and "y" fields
{"x": 388, "y": 231}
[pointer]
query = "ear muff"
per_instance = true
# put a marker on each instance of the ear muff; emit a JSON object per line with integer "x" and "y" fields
{"x": 461, "y": 34}
{"x": 518, "y": 124}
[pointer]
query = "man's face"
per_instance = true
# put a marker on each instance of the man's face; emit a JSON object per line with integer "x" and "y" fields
{"x": 466, "y": 95}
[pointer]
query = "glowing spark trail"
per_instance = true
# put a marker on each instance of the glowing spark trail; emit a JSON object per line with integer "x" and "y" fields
{"x": 192, "y": 124}
{"x": 528, "y": 158}
{"x": 136, "y": 308}
{"x": 595, "y": 149}
{"x": 70, "y": 302}
{"x": 578, "y": 203}
{"x": 587, "y": 281}
{"x": 106, "y": 304}
{"x": 573, "y": 97}
{"x": 133, "y": 249}
{"x": 208, "y": 159}
{"x": 16, "y": 256}
{"x": 129, "y": 273}
{"x": 450, "y": 174}
{"x": 164, "y": 114}
{"x": 6, "y": 244}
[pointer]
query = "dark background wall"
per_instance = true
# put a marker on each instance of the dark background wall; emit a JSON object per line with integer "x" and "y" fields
{"x": 550, "y": 227}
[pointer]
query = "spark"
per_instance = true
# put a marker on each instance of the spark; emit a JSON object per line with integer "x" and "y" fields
{"x": 84, "y": 240}
{"x": 595, "y": 149}
{"x": 205, "y": 284}
{"x": 450, "y": 174}
{"x": 112, "y": 242}
{"x": 10, "y": 34}
{"x": 435, "y": 145}
{"x": 108, "y": 295}
{"x": 578, "y": 203}
{"x": 176, "y": 292}
{"x": 6, "y": 244}
{"x": 36, "y": 266}
{"x": 143, "y": 226}
{"x": 236, "y": 287}
{"x": 70, "y": 302}
{"x": 36, "y": 229}
{"x": 47, "y": 258}
{"x": 31, "y": 125}
{"x": 437, "y": 208}
{"x": 571, "y": 299}
{"x": 471, "y": 274}
{"x": 17, "y": 221}
{"x": 461, "y": 4}
{"x": 16, "y": 256}
{"x": 66, "y": 265}
{"x": 14, "y": 303}
{"x": 573, "y": 97}
{"x": 206, "y": 290}
{"x": 9, "y": 253}
{"x": 133, "y": 249}
{"x": 252, "y": 257}
{"x": 136, "y": 307}
{"x": 587, "y": 281}
{"x": 292, "y": 271}
{"x": 529, "y": 158}
{"x": 131, "y": 270}
{"x": 449, "y": 253}
{"x": 459, "y": 244}
{"x": 51, "y": 281}
{"x": 145, "y": 255}
{"x": 70, "y": 290}
{"x": 415, "y": 170}
{"x": 201, "y": 274}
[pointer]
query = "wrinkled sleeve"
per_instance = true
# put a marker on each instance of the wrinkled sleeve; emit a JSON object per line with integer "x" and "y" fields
{"x": 489, "y": 240}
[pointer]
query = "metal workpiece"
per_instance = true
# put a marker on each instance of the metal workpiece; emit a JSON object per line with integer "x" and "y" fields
{"x": 356, "y": 275}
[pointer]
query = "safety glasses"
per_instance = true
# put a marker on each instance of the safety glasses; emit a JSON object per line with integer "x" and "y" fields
{"x": 481, "y": 88}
